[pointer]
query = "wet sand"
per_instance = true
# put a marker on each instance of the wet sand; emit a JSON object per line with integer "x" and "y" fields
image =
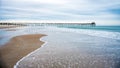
{"x": 17, "y": 48}
{"x": 8, "y": 26}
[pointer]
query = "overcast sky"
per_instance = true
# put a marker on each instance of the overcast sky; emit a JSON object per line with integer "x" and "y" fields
{"x": 103, "y": 12}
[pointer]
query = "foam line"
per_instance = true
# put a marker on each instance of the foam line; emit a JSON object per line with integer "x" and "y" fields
{"x": 15, "y": 66}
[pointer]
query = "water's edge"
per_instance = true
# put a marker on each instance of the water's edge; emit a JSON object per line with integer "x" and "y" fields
{"x": 45, "y": 42}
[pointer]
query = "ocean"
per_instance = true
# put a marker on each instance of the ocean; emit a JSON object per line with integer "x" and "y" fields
{"x": 71, "y": 46}
{"x": 102, "y": 28}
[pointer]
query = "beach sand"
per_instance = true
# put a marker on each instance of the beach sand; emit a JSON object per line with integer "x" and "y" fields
{"x": 17, "y": 48}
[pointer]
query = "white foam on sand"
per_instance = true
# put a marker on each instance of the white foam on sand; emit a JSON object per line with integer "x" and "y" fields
{"x": 15, "y": 66}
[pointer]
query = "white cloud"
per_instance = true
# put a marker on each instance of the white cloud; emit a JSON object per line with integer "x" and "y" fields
{"x": 74, "y": 10}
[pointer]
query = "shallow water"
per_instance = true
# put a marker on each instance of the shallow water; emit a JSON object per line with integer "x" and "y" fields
{"x": 71, "y": 48}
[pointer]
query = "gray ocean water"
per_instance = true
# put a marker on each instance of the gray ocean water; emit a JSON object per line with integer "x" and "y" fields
{"x": 102, "y": 28}
{"x": 71, "y": 47}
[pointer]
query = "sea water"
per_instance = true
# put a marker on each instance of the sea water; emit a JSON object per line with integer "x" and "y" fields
{"x": 68, "y": 47}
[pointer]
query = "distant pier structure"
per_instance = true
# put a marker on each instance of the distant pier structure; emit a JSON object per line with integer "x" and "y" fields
{"x": 88, "y": 24}
{"x": 65, "y": 24}
{"x": 50, "y": 24}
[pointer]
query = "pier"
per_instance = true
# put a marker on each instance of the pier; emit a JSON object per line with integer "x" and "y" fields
{"x": 49, "y": 24}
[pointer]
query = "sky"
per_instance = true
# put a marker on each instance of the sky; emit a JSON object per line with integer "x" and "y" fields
{"x": 103, "y": 12}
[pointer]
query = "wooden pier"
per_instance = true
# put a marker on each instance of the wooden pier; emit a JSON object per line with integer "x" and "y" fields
{"x": 50, "y": 24}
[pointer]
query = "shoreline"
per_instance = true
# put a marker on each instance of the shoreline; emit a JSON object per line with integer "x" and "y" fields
{"x": 18, "y": 47}
{"x": 15, "y": 66}
{"x": 9, "y": 26}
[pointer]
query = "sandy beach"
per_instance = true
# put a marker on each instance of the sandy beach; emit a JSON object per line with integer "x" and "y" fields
{"x": 19, "y": 47}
